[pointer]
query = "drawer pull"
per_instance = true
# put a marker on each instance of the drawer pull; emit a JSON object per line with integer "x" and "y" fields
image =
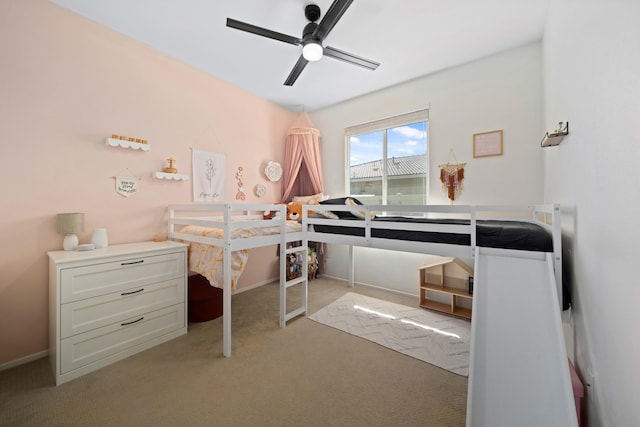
{"x": 132, "y": 292}
{"x": 132, "y": 322}
{"x": 133, "y": 262}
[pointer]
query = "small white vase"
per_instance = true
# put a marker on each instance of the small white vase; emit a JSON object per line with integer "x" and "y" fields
{"x": 100, "y": 238}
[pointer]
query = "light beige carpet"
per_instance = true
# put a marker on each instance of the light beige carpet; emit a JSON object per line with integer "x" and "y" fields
{"x": 303, "y": 375}
{"x": 428, "y": 336}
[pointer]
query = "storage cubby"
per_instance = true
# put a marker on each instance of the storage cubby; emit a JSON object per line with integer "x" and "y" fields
{"x": 449, "y": 279}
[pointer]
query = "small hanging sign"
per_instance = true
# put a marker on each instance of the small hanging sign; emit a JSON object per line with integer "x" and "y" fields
{"x": 127, "y": 186}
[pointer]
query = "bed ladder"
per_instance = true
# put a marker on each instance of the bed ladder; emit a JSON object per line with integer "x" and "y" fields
{"x": 300, "y": 252}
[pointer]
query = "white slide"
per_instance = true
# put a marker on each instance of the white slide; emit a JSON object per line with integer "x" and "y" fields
{"x": 519, "y": 371}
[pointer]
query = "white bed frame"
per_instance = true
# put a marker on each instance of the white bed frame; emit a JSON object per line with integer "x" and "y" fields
{"x": 228, "y": 216}
{"x": 518, "y": 367}
{"x": 547, "y": 216}
{"x": 509, "y": 382}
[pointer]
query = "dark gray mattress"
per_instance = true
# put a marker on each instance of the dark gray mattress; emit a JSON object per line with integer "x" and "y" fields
{"x": 517, "y": 235}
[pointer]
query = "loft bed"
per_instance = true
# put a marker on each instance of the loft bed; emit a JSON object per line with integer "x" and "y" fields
{"x": 219, "y": 236}
{"x": 517, "y": 256}
{"x": 452, "y": 231}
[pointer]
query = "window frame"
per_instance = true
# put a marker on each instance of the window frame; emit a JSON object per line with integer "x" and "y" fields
{"x": 384, "y": 125}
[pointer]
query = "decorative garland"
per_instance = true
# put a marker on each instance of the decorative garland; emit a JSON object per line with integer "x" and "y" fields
{"x": 451, "y": 176}
{"x": 240, "y": 178}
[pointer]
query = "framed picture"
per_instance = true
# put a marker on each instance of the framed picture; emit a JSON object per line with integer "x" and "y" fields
{"x": 487, "y": 144}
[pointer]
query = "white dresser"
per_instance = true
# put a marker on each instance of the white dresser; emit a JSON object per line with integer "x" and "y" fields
{"x": 110, "y": 303}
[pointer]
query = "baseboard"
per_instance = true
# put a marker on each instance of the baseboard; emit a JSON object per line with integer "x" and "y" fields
{"x": 45, "y": 353}
{"x": 256, "y": 285}
{"x": 277, "y": 279}
{"x": 24, "y": 360}
{"x": 395, "y": 291}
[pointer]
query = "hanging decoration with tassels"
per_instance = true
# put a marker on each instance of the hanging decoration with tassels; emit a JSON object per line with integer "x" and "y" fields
{"x": 451, "y": 176}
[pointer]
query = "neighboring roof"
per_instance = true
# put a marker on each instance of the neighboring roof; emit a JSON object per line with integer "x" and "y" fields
{"x": 396, "y": 166}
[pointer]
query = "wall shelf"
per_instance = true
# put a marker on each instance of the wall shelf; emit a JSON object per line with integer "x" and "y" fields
{"x": 170, "y": 176}
{"x": 112, "y": 142}
{"x": 555, "y": 138}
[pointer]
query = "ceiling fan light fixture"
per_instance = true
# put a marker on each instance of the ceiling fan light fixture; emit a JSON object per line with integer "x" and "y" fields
{"x": 313, "y": 35}
{"x": 312, "y": 51}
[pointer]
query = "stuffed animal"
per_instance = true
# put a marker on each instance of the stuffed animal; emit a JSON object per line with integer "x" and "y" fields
{"x": 294, "y": 211}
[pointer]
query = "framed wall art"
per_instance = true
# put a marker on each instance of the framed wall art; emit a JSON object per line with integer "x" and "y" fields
{"x": 487, "y": 144}
{"x": 209, "y": 182}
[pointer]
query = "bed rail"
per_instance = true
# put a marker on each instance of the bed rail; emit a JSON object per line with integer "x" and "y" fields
{"x": 547, "y": 216}
{"x": 229, "y": 216}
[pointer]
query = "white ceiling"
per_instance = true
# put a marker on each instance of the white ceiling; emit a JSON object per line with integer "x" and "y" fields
{"x": 410, "y": 38}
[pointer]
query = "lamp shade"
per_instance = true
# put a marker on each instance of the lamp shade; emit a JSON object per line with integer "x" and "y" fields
{"x": 70, "y": 223}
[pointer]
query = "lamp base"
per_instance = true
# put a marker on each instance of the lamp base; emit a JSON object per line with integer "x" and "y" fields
{"x": 70, "y": 242}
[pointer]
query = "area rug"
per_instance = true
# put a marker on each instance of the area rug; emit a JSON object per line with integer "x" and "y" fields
{"x": 437, "y": 339}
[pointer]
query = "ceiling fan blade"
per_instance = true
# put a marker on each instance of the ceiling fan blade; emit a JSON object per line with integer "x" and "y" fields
{"x": 297, "y": 69}
{"x": 350, "y": 58}
{"x": 243, "y": 26}
{"x": 331, "y": 18}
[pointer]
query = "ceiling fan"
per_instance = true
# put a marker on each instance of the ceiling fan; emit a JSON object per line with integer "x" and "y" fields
{"x": 312, "y": 37}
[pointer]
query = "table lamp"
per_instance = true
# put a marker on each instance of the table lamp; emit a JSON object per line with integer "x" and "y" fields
{"x": 70, "y": 224}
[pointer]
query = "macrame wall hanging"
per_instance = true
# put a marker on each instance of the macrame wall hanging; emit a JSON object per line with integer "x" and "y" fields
{"x": 451, "y": 176}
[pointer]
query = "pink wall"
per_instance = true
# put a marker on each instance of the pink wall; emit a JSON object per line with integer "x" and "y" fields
{"x": 66, "y": 83}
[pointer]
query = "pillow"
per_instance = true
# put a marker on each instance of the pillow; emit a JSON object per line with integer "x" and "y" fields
{"x": 342, "y": 201}
{"x": 308, "y": 200}
{"x": 294, "y": 212}
{"x": 350, "y": 201}
{"x": 326, "y": 214}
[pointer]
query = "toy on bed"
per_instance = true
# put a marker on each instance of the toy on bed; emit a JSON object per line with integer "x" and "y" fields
{"x": 294, "y": 212}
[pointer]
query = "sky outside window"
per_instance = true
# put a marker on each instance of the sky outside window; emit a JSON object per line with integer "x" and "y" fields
{"x": 408, "y": 140}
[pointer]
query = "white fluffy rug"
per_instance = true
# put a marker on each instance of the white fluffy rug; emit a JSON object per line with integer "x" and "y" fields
{"x": 431, "y": 337}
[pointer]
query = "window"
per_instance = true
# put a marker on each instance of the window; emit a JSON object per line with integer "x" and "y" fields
{"x": 388, "y": 160}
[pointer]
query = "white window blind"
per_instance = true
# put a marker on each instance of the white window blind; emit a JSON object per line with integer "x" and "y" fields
{"x": 389, "y": 122}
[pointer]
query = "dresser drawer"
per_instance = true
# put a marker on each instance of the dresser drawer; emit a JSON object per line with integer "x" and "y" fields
{"x": 104, "y": 278}
{"x": 92, "y": 313}
{"x": 83, "y": 349}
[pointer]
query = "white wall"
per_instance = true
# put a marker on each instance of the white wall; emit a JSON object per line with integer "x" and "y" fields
{"x": 591, "y": 54}
{"x": 500, "y": 92}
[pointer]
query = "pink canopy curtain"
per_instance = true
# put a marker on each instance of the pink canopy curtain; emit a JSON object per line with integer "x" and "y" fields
{"x": 302, "y": 169}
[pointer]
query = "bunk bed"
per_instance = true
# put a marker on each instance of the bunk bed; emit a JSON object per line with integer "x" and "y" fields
{"x": 223, "y": 232}
{"x": 518, "y": 373}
